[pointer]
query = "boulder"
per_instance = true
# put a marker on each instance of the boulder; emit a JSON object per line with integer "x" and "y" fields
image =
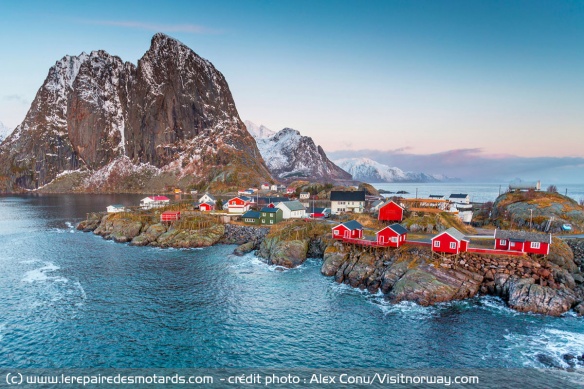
{"x": 244, "y": 248}
{"x": 289, "y": 254}
{"x": 525, "y": 296}
{"x": 334, "y": 257}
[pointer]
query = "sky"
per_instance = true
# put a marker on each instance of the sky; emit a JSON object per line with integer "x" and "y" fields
{"x": 451, "y": 87}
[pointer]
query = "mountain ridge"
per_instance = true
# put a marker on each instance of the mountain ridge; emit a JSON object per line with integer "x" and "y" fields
{"x": 173, "y": 112}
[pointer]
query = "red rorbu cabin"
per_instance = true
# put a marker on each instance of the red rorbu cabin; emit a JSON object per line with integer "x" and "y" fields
{"x": 169, "y": 216}
{"x": 351, "y": 229}
{"x": 391, "y": 211}
{"x": 450, "y": 241}
{"x": 393, "y": 235}
{"x": 523, "y": 241}
{"x": 206, "y": 207}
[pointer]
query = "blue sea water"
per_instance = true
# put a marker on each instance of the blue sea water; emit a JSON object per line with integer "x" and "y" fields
{"x": 71, "y": 299}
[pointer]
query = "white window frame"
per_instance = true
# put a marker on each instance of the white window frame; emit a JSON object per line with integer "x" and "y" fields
{"x": 503, "y": 242}
{"x": 436, "y": 243}
{"x": 453, "y": 245}
{"x": 535, "y": 245}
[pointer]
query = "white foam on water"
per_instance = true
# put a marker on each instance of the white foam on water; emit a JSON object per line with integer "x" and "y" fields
{"x": 42, "y": 274}
{"x": 552, "y": 343}
{"x": 496, "y": 304}
{"x": 71, "y": 227}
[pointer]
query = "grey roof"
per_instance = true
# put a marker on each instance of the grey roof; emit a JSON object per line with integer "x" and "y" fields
{"x": 376, "y": 203}
{"x": 523, "y": 236}
{"x": 455, "y": 234}
{"x": 315, "y": 210}
{"x": 268, "y": 200}
{"x": 270, "y": 210}
{"x": 398, "y": 228}
{"x": 294, "y": 205}
{"x": 458, "y": 195}
{"x": 210, "y": 196}
{"x": 353, "y": 225}
{"x": 245, "y": 198}
{"x": 251, "y": 215}
{"x": 348, "y": 195}
{"x": 436, "y": 196}
{"x": 117, "y": 206}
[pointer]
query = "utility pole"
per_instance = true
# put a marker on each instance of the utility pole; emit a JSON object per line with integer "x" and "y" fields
{"x": 416, "y": 192}
{"x": 530, "y": 217}
{"x": 499, "y": 190}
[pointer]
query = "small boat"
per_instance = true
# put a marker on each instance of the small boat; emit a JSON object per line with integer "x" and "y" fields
{"x": 567, "y": 227}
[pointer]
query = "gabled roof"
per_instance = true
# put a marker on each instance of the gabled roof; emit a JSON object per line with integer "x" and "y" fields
{"x": 337, "y": 195}
{"x": 211, "y": 197}
{"x": 270, "y": 210}
{"x": 269, "y": 200}
{"x": 458, "y": 196}
{"x": 432, "y": 196}
{"x": 523, "y": 236}
{"x": 376, "y": 203}
{"x": 293, "y": 205}
{"x": 116, "y": 206}
{"x": 454, "y": 233}
{"x": 315, "y": 210}
{"x": 353, "y": 225}
{"x": 251, "y": 215}
{"x": 397, "y": 228}
{"x": 389, "y": 202}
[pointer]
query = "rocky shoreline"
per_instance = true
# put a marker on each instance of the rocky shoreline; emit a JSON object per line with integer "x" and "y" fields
{"x": 552, "y": 285}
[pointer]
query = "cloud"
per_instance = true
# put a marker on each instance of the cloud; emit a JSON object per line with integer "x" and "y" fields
{"x": 186, "y": 28}
{"x": 475, "y": 165}
{"x": 18, "y": 98}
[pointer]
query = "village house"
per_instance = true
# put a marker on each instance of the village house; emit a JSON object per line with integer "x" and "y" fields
{"x": 391, "y": 211}
{"x": 115, "y": 208}
{"x": 375, "y": 205}
{"x": 317, "y": 212}
{"x": 270, "y": 201}
{"x": 154, "y": 202}
{"x": 270, "y": 216}
{"x": 459, "y": 198}
{"x": 170, "y": 216}
{"x": 450, "y": 241}
{"x": 290, "y": 190}
{"x": 347, "y": 201}
{"x": 274, "y": 187}
{"x": 525, "y": 186}
{"x": 393, "y": 235}
{"x": 207, "y": 198}
{"x": 239, "y": 204}
{"x": 265, "y": 186}
{"x": 292, "y": 209}
{"x": 207, "y": 207}
{"x": 281, "y": 188}
{"x": 304, "y": 195}
{"x": 523, "y": 241}
{"x": 251, "y": 217}
{"x": 351, "y": 229}
{"x": 437, "y": 197}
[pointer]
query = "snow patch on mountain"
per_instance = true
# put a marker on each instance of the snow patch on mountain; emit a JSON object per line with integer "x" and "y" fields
{"x": 4, "y": 132}
{"x": 365, "y": 169}
{"x": 258, "y": 132}
{"x": 289, "y": 155}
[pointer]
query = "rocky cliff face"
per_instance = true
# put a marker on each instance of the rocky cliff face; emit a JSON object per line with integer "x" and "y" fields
{"x": 109, "y": 121}
{"x": 290, "y": 156}
{"x": 4, "y": 132}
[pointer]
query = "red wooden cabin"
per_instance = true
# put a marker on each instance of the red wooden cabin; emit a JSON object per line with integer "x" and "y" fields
{"x": 523, "y": 241}
{"x": 169, "y": 216}
{"x": 450, "y": 241}
{"x": 206, "y": 207}
{"x": 393, "y": 235}
{"x": 350, "y": 229}
{"x": 391, "y": 211}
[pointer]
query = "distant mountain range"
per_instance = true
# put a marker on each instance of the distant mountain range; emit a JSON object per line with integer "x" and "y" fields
{"x": 367, "y": 170}
{"x": 289, "y": 155}
{"x": 4, "y": 132}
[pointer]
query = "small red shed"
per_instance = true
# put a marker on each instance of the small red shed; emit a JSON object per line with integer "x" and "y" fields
{"x": 393, "y": 235}
{"x": 169, "y": 216}
{"x": 206, "y": 207}
{"x": 523, "y": 241}
{"x": 391, "y": 211}
{"x": 350, "y": 229}
{"x": 450, "y": 241}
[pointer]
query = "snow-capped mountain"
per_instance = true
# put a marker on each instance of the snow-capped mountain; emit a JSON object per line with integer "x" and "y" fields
{"x": 4, "y": 132}
{"x": 367, "y": 170}
{"x": 169, "y": 120}
{"x": 289, "y": 155}
{"x": 258, "y": 132}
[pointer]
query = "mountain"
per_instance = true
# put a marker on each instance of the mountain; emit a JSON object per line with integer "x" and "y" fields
{"x": 4, "y": 132}
{"x": 258, "y": 132}
{"x": 100, "y": 124}
{"x": 367, "y": 170}
{"x": 289, "y": 155}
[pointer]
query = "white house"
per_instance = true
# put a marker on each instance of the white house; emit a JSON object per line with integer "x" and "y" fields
{"x": 265, "y": 186}
{"x": 459, "y": 198}
{"x": 304, "y": 195}
{"x": 154, "y": 202}
{"x": 347, "y": 201}
{"x": 274, "y": 187}
{"x": 240, "y": 204}
{"x": 115, "y": 208}
{"x": 292, "y": 209}
{"x": 207, "y": 198}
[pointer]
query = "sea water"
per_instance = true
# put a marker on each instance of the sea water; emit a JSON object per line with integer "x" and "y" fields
{"x": 72, "y": 299}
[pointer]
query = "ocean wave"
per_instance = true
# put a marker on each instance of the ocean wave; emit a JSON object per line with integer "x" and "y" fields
{"x": 550, "y": 348}
{"x": 42, "y": 274}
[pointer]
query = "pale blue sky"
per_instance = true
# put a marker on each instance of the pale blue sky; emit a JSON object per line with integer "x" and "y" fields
{"x": 504, "y": 77}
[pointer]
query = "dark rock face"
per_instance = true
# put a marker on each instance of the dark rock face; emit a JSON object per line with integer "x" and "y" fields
{"x": 173, "y": 113}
